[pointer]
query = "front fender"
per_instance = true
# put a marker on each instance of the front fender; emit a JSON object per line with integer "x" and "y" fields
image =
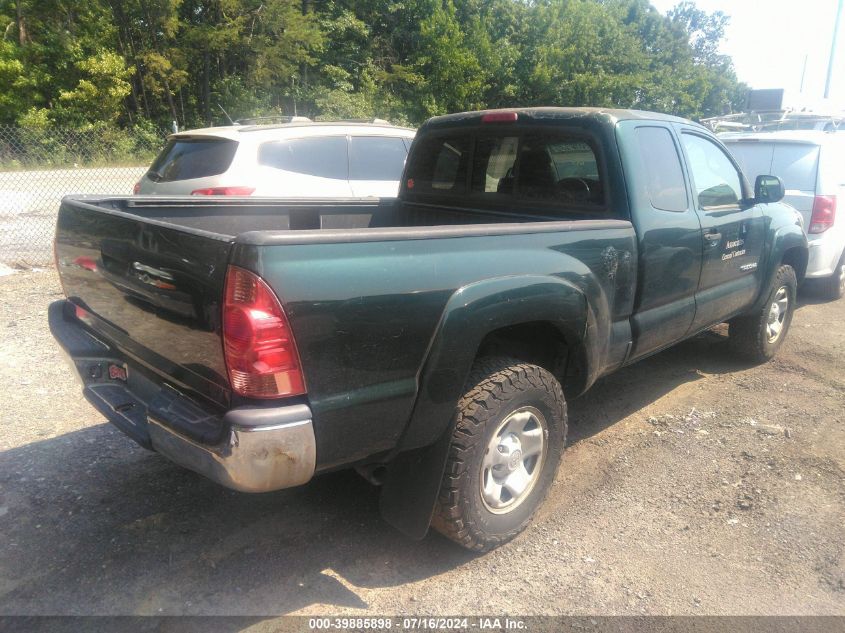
{"x": 784, "y": 239}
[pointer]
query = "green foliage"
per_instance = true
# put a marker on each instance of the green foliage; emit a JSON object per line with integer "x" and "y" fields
{"x": 100, "y": 94}
{"x": 452, "y": 75}
{"x": 81, "y": 63}
{"x": 35, "y": 119}
{"x": 15, "y": 85}
{"x": 583, "y": 56}
{"x": 94, "y": 144}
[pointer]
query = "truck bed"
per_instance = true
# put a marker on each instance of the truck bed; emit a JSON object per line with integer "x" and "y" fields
{"x": 230, "y": 217}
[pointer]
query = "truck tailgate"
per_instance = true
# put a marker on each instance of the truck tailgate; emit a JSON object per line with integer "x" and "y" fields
{"x": 151, "y": 288}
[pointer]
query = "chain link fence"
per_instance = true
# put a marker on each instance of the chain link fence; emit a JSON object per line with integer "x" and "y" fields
{"x": 40, "y": 166}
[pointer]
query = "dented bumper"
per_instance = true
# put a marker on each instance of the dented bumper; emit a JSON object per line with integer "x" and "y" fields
{"x": 252, "y": 457}
{"x": 251, "y": 449}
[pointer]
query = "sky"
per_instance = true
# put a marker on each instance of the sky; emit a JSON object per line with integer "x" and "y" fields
{"x": 769, "y": 40}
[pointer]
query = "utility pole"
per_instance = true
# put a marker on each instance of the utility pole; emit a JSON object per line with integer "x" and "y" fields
{"x": 833, "y": 50}
{"x": 803, "y": 73}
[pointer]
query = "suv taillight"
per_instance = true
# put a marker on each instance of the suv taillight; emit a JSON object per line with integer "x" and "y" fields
{"x": 824, "y": 213}
{"x": 260, "y": 352}
{"x": 224, "y": 191}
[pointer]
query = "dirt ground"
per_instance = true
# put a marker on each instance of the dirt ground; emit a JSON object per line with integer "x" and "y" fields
{"x": 693, "y": 484}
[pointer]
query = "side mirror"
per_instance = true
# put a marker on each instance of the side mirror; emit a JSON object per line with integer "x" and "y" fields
{"x": 768, "y": 189}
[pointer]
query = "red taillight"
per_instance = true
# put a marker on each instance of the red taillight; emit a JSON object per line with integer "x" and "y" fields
{"x": 223, "y": 191}
{"x": 499, "y": 117}
{"x": 136, "y": 188}
{"x": 824, "y": 213}
{"x": 258, "y": 343}
{"x": 83, "y": 261}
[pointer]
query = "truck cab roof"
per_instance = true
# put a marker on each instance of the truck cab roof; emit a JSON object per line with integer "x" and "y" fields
{"x": 549, "y": 113}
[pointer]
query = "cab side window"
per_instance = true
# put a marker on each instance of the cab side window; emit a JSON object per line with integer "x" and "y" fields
{"x": 717, "y": 182}
{"x": 665, "y": 179}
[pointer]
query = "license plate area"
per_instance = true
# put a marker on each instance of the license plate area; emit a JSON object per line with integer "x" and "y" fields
{"x": 118, "y": 372}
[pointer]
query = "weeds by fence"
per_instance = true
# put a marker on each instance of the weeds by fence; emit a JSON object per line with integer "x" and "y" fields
{"x": 38, "y": 166}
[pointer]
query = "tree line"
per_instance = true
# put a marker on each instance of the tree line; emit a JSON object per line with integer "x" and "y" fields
{"x": 78, "y": 63}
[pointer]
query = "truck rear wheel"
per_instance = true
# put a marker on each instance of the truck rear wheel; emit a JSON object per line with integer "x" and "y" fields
{"x": 757, "y": 337}
{"x": 509, "y": 434}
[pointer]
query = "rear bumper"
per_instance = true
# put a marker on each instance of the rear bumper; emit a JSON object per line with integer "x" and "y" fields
{"x": 825, "y": 251}
{"x": 251, "y": 449}
{"x": 252, "y": 458}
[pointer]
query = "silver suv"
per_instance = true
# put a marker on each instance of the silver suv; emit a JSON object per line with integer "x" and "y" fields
{"x": 812, "y": 166}
{"x": 300, "y": 159}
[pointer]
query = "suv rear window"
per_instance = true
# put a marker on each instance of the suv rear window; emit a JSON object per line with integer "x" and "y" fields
{"x": 183, "y": 159}
{"x": 547, "y": 169}
{"x": 795, "y": 163}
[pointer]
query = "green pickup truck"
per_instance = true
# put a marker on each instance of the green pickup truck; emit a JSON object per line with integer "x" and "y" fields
{"x": 430, "y": 342}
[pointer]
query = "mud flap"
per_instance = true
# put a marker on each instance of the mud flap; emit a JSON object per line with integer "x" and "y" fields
{"x": 411, "y": 487}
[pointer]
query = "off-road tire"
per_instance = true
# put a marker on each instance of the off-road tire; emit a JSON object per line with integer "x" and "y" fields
{"x": 496, "y": 387}
{"x": 748, "y": 334}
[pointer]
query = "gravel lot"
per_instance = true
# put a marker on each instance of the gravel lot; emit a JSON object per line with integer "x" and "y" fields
{"x": 693, "y": 485}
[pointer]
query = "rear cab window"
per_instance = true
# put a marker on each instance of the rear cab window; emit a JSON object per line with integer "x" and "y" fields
{"x": 187, "y": 158}
{"x": 549, "y": 171}
{"x": 493, "y": 164}
{"x": 440, "y": 166}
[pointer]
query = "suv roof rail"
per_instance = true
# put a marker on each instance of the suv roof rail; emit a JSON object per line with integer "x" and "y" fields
{"x": 772, "y": 120}
{"x": 258, "y": 120}
{"x": 376, "y": 121}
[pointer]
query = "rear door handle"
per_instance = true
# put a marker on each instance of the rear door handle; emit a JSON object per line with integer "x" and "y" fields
{"x": 713, "y": 238}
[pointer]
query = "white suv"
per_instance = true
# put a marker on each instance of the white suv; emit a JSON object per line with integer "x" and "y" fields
{"x": 812, "y": 167}
{"x": 300, "y": 159}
